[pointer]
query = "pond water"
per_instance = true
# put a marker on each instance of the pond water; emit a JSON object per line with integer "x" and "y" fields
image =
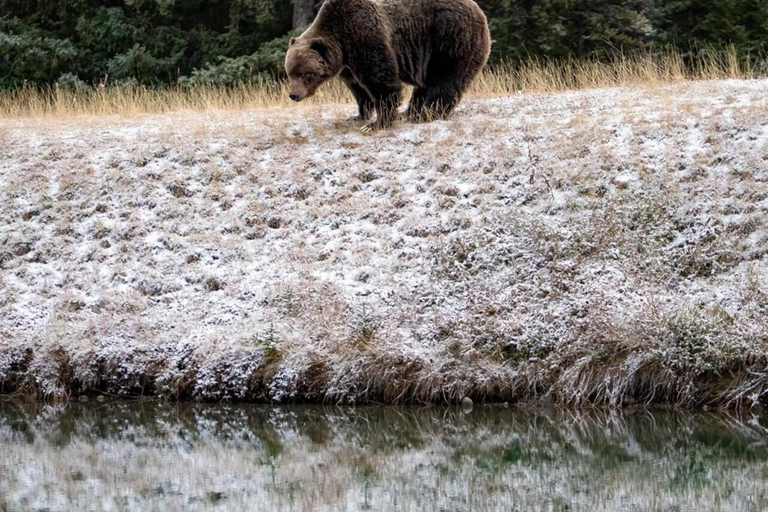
{"x": 150, "y": 456}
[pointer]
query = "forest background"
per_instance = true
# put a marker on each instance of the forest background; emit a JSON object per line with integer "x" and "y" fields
{"x": 80, "y": 44}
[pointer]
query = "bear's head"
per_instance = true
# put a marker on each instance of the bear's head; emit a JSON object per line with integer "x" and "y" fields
{"x": 309, "y": 63}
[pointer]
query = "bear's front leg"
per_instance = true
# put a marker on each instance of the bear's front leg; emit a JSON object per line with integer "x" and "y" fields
{"x": 386, "y": 100}
{"x": 365, "y": 106}
{"x": 376, "y": 72}
{"x": 372, "y": 61}
{"x": 365, "y": 110}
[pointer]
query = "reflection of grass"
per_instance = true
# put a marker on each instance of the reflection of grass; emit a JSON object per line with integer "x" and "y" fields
{"x": 491, "y": 460}
{"x": 690, "y": 474}
{"x": 513, "y": 453}
{"x": 272, "y": 445}
{"x": 725, "y": 446}
{"x": 366, "y": 469}
{"x": 601, "y": 457}
{"x": 517, "y": 453}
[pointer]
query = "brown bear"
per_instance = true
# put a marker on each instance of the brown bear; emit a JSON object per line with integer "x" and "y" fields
{"x": 437, "y": 46}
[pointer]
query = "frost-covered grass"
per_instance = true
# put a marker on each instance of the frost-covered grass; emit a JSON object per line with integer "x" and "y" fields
{"x": 606, "y": 246}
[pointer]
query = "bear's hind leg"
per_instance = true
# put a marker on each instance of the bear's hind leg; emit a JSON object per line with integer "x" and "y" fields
{"x": 446, "y": 84}
{"x": 448, "y": 78}
{"x": 415, "y": 110}
{"x": 439, "y": 101}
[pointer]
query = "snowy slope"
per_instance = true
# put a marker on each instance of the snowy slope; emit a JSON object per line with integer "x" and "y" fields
{"x": 594, "y": 245}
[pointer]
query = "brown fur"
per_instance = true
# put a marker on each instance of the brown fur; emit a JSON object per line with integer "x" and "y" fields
{"x": 437, "y": 46}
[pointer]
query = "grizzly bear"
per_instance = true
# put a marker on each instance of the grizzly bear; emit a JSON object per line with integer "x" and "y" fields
{"x": 437, "y": 46}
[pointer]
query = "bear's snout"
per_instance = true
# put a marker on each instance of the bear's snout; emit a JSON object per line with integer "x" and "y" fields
{"x": 294, "y": 96}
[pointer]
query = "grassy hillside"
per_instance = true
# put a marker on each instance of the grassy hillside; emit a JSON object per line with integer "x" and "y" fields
{"x": 604, "y": 246}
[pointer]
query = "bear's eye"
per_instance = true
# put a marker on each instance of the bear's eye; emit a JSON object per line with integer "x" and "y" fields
{"x": 310, "y": 76}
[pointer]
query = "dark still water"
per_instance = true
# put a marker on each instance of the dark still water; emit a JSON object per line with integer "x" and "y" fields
{"x": 149, "y": 456}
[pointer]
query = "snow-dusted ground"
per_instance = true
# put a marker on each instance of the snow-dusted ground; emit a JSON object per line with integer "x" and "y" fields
{"x": 592, "y": 245}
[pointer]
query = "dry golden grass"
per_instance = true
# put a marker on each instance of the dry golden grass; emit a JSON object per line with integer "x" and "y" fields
{"x": 620, "y": 70}
{"x": 533, "y": 76}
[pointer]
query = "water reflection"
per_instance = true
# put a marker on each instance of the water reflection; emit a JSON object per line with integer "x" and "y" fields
{"x": 151, "y": 456}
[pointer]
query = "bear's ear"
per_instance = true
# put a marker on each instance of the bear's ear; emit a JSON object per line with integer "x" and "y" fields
{"x": 319, "y": 46}
{"x": 292, "y": 41}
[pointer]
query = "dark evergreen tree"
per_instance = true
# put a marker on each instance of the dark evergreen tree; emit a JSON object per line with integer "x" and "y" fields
{"x": 754, "y": 19}
{"x": 549, "y": 29}
{"x": 689, "y": 24}
{"x": 604, "y": 26}
{"x": 146, "y": 41}
{"x": 506, "y": 20}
